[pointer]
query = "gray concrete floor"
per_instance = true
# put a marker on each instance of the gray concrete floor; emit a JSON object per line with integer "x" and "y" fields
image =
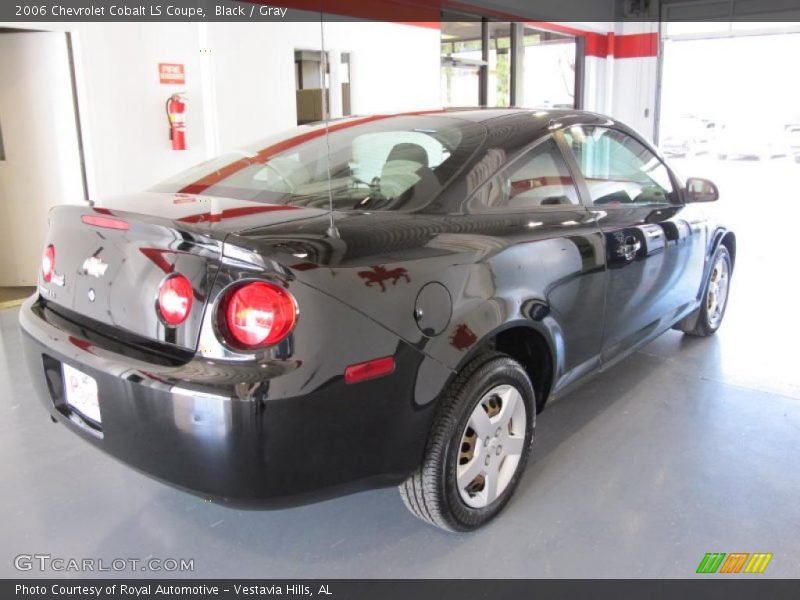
{"x": 689, "y": 446}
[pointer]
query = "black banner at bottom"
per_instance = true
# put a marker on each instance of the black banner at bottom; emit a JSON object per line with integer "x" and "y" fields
{"x": 378, "y": 589}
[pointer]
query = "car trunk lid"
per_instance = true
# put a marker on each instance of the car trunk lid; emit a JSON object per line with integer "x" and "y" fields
{"x": 110, "y": 262}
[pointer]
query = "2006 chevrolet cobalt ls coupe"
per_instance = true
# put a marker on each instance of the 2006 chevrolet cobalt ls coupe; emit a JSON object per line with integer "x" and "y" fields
{"x": 391, "y": 305}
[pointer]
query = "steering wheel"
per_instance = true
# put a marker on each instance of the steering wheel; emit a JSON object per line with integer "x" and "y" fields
{"x": 375, "y": 198}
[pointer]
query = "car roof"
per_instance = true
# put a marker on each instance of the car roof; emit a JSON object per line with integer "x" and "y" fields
{"x": 535, "y": 121}
{"x": 495, "y": 120}
{"x": 481, "y": 114}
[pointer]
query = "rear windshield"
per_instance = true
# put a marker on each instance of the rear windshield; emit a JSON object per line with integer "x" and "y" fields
{"x": 376, "y": 163}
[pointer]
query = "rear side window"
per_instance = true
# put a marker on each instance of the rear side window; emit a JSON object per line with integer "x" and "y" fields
{"x": 539, "y": 178}
{"x": 619, "y": 170}
{"x": 372, "y": 151}
{"x": 367, "y": 163}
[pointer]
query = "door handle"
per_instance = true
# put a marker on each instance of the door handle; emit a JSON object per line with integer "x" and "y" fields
{"x": 629, "y": 248}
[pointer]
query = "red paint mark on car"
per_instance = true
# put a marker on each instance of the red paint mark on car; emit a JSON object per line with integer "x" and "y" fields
{"x": 463, "y": 337}
{"x": 380, "y": 274}
{"x": 304, "y": 266}
{"x": 82, "y": 344}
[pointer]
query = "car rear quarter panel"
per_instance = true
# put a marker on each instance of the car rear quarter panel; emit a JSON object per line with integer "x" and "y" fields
{"x": 497, "y": 268}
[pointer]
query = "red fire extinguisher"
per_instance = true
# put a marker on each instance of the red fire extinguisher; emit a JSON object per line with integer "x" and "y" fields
{"x": 176, "y": 114}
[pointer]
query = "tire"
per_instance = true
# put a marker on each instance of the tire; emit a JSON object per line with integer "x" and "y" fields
{"x": 707, "y": 319}
{"x": 433, "y": 493}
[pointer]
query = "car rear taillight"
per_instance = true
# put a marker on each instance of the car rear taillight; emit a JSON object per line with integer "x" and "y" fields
{"x": 175, "y": 299}
{"x": 48, "y": 263}
{"x": 259, "y": 314}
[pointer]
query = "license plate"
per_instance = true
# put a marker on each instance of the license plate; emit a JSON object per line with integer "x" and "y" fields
{"x": 81, "y": 393}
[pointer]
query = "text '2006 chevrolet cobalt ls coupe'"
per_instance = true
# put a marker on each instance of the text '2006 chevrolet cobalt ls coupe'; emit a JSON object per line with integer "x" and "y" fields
{"x": 391, "y": 304}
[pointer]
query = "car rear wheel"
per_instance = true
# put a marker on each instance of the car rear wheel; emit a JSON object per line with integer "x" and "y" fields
{"x": 715, "y": 296}
{"x": 478, "y": 447}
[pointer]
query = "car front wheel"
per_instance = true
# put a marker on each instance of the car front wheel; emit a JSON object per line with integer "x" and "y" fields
{"x": 478, "y": 447}
{"x": 708, "y": 317}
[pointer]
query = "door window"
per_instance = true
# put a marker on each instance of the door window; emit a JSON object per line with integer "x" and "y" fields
{"x": 538, "y": 178}
{"x": 619, "y": 170}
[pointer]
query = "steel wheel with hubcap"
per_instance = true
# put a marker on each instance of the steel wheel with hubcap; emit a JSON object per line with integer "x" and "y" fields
{"x": 717, "y": 294}
{"x": 478, "y": 446}
{"x": 707, "y": 319}
{"x": 491, "y": 446}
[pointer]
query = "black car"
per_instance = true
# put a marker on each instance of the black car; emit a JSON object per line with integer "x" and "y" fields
{"x": 388, "y": 304}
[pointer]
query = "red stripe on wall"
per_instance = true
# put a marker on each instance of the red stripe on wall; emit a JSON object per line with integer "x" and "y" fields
{"x": 600, "y": 45}
{"x": 597, "y": 44}
{"x": 427, "y": 24}
{"x": 637, "y": 45}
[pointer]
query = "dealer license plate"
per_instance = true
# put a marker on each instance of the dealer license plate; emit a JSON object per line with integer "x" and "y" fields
{"x": 81, "y": 393}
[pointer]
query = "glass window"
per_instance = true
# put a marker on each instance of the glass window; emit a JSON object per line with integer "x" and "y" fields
{"x": 395, "y": 163}
{"x": 371, "y": 154}
{"x": 547, "y": 63}
{"x": 499, "y": 89}
{"x": 461, "y": 59}
{"x": 618, "y": 169}
{"x": 539, "y": 178}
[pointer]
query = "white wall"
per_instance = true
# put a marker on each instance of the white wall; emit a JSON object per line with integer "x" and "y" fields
{"x": 624, "y": 88}
{"x": 635, "y": 82}
{"x": 254, "y": 78}
{"x": 394, "y": 67}
{"x": 126, "y": 130}
{"x": 254, "y": 72}
{"x": 596, "y": 93}
{"x": 42, "y": 166}
{"x": 240, "y": 84}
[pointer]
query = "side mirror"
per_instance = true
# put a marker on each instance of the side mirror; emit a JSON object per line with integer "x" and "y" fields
{"x": 701, "y": 190}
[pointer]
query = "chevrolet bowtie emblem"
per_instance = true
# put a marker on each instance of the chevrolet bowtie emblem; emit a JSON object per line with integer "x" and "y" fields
{"x": 94, "y": 266}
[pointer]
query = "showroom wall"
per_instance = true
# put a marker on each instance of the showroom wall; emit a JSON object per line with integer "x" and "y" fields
{"x": 636, "y": 60}
{"x": 394, "y": 67}
{"x": 40, "y": 166}
{"x": 240, "y": 84}
{"x": 123, "y": 104}
{"x": 621, "y": 73}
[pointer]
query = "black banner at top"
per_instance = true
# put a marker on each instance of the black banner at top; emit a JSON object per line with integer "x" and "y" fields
{"x": 429, "y": 11}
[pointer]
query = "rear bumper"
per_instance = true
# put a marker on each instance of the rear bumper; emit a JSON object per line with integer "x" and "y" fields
{"x": 269, "y": 448}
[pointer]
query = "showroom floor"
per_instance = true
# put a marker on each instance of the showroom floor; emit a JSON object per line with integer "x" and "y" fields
{"x": 690, "y": 446}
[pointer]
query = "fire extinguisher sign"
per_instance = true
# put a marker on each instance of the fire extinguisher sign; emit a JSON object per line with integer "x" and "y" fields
{"x": 171, "y": 73}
